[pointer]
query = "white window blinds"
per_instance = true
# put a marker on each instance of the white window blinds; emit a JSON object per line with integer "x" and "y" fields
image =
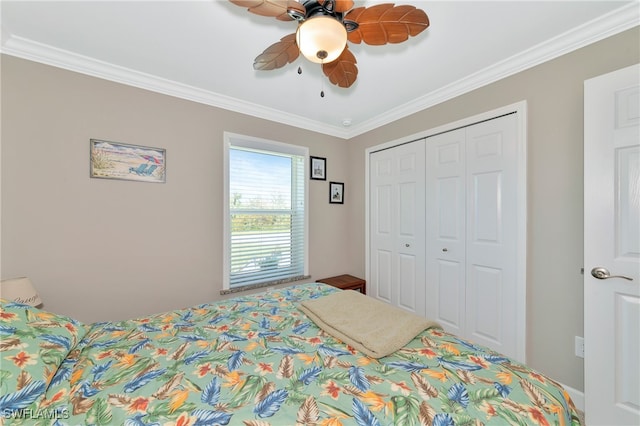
{"x": 266, "y": 214}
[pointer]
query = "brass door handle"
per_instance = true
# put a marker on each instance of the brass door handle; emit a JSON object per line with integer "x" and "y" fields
{"x": 603, "y": 274}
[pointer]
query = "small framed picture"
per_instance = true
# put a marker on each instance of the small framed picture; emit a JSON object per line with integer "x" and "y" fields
{"x": 336, "y": 192}
{"x": 318, "y": 168}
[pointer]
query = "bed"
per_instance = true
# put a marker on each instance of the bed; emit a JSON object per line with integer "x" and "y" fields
{"x": 255, "y": 360}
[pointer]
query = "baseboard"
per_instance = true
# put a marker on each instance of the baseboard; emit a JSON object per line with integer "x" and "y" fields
{"x": 576, "y": 396}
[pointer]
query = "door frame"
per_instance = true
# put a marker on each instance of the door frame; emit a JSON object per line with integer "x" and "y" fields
{"x": 520, "y": 109}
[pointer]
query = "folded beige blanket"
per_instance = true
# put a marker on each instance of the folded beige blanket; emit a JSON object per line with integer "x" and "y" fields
{"x": 367, "y": 324}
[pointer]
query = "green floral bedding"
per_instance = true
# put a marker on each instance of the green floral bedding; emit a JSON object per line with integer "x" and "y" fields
{"x": 256, "y": 361}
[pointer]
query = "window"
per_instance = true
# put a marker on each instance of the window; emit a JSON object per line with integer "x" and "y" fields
{"x": 265, "y": 212}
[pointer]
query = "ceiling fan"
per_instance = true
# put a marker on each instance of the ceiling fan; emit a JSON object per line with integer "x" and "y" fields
{"x": 324, "y": 26}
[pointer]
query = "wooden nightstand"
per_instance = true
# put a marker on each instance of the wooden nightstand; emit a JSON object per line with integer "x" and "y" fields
{"x": 346, "y": 282}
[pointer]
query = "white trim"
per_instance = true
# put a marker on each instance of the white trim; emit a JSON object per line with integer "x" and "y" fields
{"x": 619, "y": 20}
{"x": 522, "y": 219}
{"x": 576, "y": 396}
{"x": 39, "y": 52}
{"x": 520, "y": 108}
{"x": 610, "y": 24}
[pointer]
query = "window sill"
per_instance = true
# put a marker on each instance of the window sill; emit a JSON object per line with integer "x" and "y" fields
{"x": 264, "y": 284}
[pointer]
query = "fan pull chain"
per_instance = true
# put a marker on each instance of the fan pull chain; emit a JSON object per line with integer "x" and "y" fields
{"x": 322, "y": 82}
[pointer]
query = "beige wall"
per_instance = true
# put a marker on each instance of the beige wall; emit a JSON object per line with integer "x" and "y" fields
{"x": 554, "y": 94}
{"x": 105, "y": 249}
{"x": 100, "y": 249}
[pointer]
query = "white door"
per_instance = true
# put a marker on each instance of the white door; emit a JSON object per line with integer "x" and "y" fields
{"x": 612, "y": 248}
{"x": 446, "y": 224}
{"x": 492, "y": 237}
{"x": 397, "y": 245}
{"x": 471, "y": 185}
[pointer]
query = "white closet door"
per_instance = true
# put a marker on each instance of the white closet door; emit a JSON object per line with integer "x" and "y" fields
{"x": 445, "y": 227}
{"x": 397, "y": 244}
{"x": 445, "y": 238}
{"x": 492, "y": 234}
{"x": 471, "y": 224}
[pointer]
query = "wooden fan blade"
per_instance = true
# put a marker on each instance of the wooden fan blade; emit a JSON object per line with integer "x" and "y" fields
{"x": 342, "y": 6}
{"x": 343, "y": 71}
{"x": 386, "y": 23}
{"x": 271, "y": 8}
{"x": 278, "y": 54}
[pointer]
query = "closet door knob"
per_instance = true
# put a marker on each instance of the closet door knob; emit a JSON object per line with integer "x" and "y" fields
{"x": 445, "y": 249}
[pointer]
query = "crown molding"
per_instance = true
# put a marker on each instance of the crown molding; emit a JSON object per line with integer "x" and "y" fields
{"x": 613, "y": 23}
{"x": 617, "y": 21}
{"x": 39, "y": 52}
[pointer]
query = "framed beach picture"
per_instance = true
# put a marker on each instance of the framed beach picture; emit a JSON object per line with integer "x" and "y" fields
{"x": 115, "y": 160}
{"x": 336, "y": 192}
{"x": 318, "y": 168}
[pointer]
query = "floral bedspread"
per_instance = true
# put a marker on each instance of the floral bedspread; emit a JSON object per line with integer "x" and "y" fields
{"x": 256, "y": 361}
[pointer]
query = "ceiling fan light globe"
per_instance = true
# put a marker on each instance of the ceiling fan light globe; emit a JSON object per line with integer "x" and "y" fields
{"x": 321, "y": 39}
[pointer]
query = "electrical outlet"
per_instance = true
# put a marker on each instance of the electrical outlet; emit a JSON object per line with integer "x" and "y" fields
{"x": 579, "y": 346}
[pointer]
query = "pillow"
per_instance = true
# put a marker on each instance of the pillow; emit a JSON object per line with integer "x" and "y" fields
{"x": 33, "y": 344}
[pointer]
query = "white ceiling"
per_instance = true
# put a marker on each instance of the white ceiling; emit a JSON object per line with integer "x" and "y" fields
{"x": 204, "y": 51}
